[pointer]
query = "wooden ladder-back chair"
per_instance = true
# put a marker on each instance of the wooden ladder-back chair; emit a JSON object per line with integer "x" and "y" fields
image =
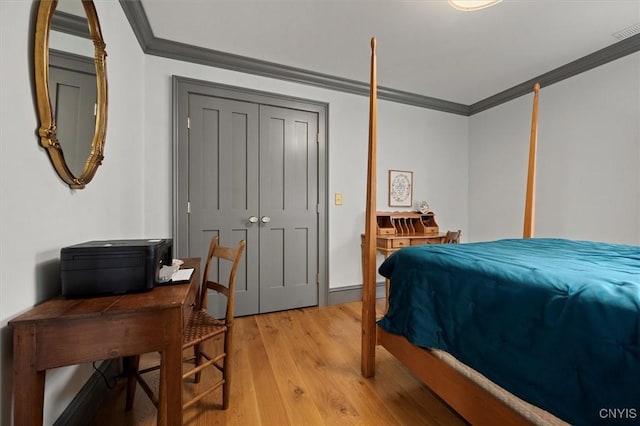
{"x": 203, "y": 327}
{"x": 452, "y": 237}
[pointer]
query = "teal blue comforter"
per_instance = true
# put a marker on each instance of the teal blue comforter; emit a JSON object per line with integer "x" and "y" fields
{"x": 556, "y": 322}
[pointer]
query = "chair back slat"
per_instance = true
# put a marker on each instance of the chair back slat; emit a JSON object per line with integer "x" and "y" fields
{"x": 226, "y": 254}
{"x": 220, "y": 288}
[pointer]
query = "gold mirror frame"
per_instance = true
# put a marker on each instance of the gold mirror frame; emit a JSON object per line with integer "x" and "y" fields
{"x": 47, "y": 130}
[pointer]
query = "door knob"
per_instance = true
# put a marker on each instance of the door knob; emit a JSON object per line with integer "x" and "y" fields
{"x": 265, "y": 219}
{"x": 253, "y": 219}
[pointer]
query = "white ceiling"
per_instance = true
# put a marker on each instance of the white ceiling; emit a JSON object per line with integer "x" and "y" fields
{"x": 424, "y": 47}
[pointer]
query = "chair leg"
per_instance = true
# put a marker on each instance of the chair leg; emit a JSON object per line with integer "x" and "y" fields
{"x": 226, "y": 386}
{"x": 130, "y": 366}
{"x": 226, "y": 371}
{"x": 198, "y": 360}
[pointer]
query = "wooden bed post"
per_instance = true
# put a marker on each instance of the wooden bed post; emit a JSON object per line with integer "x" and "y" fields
{"x": 368, "y": 352}
{"x": 529, "y": 207}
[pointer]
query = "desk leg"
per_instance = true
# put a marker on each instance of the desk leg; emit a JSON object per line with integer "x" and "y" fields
{"x": 131, "y": 365}
{"x": 170, "y": 398}
{"x": 27, "y": 382}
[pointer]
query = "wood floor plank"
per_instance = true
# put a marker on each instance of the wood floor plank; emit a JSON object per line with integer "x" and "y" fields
{"x": 301, "y": 367}
{"x": 294, "y": 388}
{"x": 402, "y": 388}
{"x": 335, "y": 336}
{"x": 269, "y": 401}
{"x": 327, "y": 389}
{"x": 399, "y": 398}
{"x": 243, "y": 387}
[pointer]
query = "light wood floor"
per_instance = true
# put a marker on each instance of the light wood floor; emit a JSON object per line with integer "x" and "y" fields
{"x": 302, "y": 367}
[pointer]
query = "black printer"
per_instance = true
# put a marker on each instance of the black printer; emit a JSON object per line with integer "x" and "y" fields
{"x": 101, "y": 268}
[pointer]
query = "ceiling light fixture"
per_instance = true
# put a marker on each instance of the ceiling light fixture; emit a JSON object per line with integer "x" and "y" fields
{"x": 469, "y": 5}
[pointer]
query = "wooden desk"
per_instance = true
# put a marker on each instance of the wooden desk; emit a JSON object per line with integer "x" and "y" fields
{"x": 62, "y": 332}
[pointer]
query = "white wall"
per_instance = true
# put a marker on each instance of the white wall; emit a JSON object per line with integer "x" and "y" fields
{"x": 588, "y": 184}
{"x": 410, "y": 138}
{"x": 39, "y": 214}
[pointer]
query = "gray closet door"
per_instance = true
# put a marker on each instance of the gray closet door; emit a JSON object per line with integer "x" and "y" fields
{"x": 288, "y": 208}
{"x": 253, "y": 175}
{"x": 223, "y": 187}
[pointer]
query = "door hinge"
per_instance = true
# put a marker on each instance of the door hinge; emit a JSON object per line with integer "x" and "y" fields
{"x": 318, "y": 278}
{"x": 317, "y": 208}
{"x": 318, "y": 137}
{"x": 188, "y": 207}
{"x": 188, "y": 122}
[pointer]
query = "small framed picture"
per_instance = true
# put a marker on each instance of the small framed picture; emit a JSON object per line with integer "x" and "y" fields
{"x": 400, "y": 188}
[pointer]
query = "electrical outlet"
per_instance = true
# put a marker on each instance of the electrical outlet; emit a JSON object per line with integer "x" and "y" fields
{"x": 338, "y": 198}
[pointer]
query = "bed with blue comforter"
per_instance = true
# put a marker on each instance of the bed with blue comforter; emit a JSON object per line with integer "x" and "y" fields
{"x": 555, "y": 322}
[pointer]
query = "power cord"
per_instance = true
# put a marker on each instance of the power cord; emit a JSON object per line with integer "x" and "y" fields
{"x": 104, "y": 378}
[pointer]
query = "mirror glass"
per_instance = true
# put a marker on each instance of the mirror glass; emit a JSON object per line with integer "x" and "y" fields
{"x": 71, "y": 86}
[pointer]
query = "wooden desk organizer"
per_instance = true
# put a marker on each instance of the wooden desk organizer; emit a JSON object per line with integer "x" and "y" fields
{"x": 406, "y": 223}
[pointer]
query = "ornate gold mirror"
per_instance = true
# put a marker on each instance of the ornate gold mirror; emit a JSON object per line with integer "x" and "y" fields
{"x": 71, "y": 92}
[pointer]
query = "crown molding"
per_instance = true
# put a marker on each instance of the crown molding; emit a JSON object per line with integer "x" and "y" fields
{"x": 70, "y": 24}
{"x": 600, "y": 57}
{"x": 189, "y": 53}
{"x": 139, "y": 22}
{"x": 152, "y": 45}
